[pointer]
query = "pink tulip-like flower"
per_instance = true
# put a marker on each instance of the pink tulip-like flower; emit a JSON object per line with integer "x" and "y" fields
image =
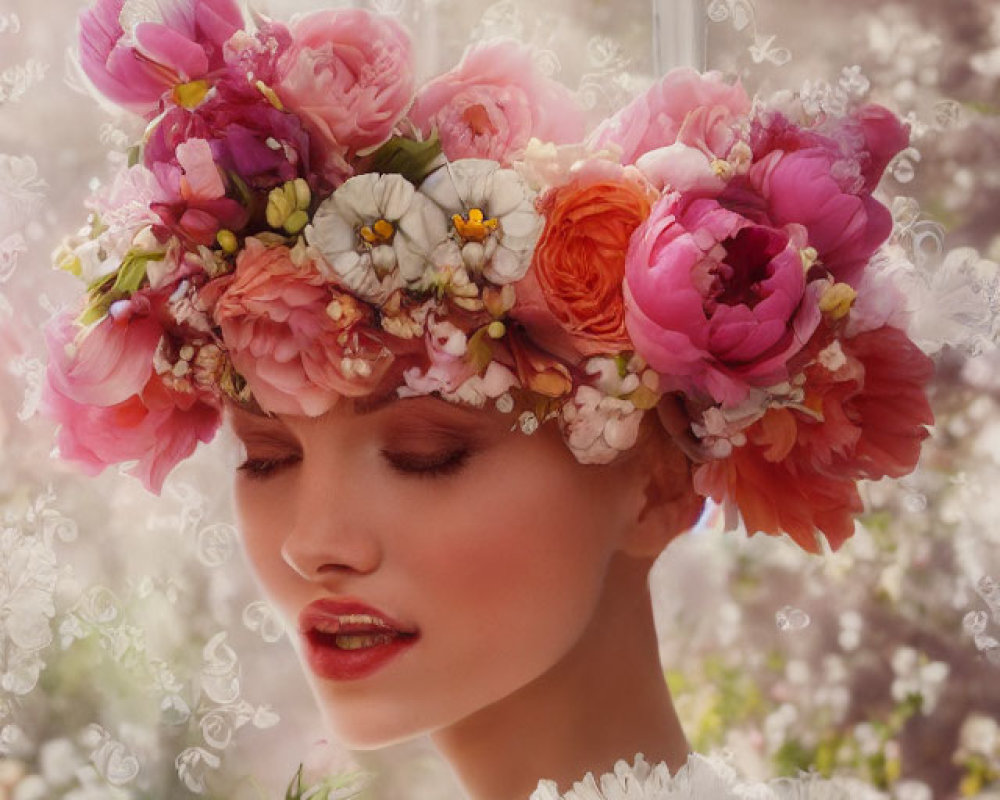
{"x": 655, "y": 119}
{"x": 298, "y": 341}
{"x": 181, "y": 42}
{"x": 347, "y": 73}
{"x": 493, "y": 102}
{"x": 112, "y": 408}
{"x": 714, "y": 302}
{"x": 823, "y": 180}
{"x": 106, "y": 364}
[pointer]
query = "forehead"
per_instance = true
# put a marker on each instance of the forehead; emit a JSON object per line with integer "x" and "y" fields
{"x": 380, "y": 406}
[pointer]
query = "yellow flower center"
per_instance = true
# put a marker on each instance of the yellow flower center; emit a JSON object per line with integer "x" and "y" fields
{"x": 380, "y": 232}
{"x": 190, "y": 95}
{"x": 837, "y": 300}
{"x": 474, "y": 227}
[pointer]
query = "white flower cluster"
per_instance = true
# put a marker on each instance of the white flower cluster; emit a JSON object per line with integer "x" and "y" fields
{"x": 471, "y": 219}
{"x": 602, "y": 419}
{"x": 701, "y": 777}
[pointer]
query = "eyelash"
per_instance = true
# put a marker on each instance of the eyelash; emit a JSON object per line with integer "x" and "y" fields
{"x": 414, "y": 465}
{"x": 258, "y": 469}
{"x": 434, "y": 465}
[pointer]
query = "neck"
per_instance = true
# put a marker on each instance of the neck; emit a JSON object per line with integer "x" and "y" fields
{"x": 605, "y": 700}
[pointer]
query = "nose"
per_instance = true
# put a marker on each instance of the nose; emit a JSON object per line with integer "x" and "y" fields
{"x": 332, "y": 532}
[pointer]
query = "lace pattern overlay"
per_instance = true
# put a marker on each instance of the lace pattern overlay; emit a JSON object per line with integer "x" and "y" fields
{"x": 137, "y": 659}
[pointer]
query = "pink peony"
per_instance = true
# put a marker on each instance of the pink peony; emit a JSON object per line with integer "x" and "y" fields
{"x": 299, "y": 342}
{"x": 493, "y": 102}
{"x": 136, "y": 68}
{"x": 714, "y": 302}
{"x": 823, "y": 180}
{"x": 655, "y": 119}
{"x": 347, "y": 73}
{"x": 110, "y": 406}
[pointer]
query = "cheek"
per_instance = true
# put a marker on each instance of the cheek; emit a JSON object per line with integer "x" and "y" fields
{"x": 510, "y": 584}
{"x": 260, "y": 525}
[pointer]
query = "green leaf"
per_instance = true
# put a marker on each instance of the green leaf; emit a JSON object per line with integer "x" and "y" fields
{"x": 294, "y": 791}
{"x": 132, "y": 272}
{"x": 412, "y": 159}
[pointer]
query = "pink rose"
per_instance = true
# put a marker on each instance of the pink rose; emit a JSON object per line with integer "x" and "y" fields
{"x": 298, "y": 341}
{"x": 655, "y": 119}
{"x": 110, "y": 406}
{"x": 347, "y": 73}
{"x": 493, "y": 102}
{"x": 714, "y": 302}
{"x": 823, "y": 180}
{"x": 137, "y": 68}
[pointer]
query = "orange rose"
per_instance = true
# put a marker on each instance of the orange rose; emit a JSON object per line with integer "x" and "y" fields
{"x": 579, "y": 261}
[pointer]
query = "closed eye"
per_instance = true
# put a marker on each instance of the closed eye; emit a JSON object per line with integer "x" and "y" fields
{"x": 427, "y": 465}
{"x": 262, "y": 468}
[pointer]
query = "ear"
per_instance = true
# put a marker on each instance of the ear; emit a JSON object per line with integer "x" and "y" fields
{"x": 667, "y": 504}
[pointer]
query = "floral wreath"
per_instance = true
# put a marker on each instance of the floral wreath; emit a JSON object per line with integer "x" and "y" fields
{"x": 300, "y": 223}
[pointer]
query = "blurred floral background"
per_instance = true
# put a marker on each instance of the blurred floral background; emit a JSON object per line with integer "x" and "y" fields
{"x": 137, "y": 659}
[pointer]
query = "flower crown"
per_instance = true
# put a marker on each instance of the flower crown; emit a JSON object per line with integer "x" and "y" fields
{"x": 299, "y": 224}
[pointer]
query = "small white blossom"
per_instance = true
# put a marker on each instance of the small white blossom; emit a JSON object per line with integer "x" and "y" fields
{"x": 598, "y": 428}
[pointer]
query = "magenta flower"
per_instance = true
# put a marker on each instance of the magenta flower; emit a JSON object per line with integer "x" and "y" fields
{"x": 347, "y": 74}
{"x": 714, "y": 302}
{"x": 181, "y": 42}
{"x": 493, "y": 102}
{"x": 112, "y": 408}
{"x": 823, "y": 179}
{"x": 247, "y": 135}
{"x": 654, "y": 119}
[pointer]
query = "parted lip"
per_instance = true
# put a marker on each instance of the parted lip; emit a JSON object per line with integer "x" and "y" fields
{"x": 348, "y": 615}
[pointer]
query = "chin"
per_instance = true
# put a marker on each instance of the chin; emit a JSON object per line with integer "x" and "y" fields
{"x": 367, "y": 722}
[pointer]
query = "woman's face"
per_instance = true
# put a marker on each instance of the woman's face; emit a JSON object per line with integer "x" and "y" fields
{"x": 488, "y": 548}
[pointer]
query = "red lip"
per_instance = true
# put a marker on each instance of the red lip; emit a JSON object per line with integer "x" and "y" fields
{"x": 321, "y": 621}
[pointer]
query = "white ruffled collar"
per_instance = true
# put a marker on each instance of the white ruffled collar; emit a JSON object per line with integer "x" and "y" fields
{"x": 704, "y": 778}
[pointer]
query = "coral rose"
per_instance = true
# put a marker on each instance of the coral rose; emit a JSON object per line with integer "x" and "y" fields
{"x": 715, "y": 303}
{"x": 654, "y": 119}
{"x": 298, "y": 341}
{"x": 579, "y": 262}
{"x": 347, "y": 73}
{"x": 494, "y": 102}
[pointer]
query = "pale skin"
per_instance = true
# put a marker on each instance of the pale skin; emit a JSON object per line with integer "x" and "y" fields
{"x": 524, "y": 571}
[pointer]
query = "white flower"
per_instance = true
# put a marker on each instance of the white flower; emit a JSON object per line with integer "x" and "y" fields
{"x": 597, "y": 428}
{"x": 915, "y": 675}
{"x": 494, "y": 223}
{"x": 375, "y": 233}
{"x": 701, "y": 778}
